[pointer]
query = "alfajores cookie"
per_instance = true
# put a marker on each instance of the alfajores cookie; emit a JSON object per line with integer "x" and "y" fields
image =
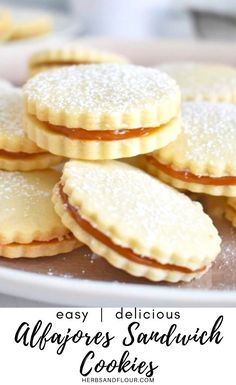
{"x": 203, "y": 157}
{"x": 103, "y": 111}
{"x": 17, "y": 152}
{"x": 29, "y": 226}
{"x": 29, "y": 23}
{"x": 137, "y": 223}
{"x": 203, "y": 81}
{"x": 69, "y": 55}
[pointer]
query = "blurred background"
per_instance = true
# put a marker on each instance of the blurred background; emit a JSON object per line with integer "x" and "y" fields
{"x": 205, "y": 19}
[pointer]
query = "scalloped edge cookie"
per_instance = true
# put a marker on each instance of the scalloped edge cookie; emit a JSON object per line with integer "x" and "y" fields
{"x": 105, "y": 227}
{"x": 229, "y": 191}
{"x": 38, "y": 24}
{"x": 53, "y": 58}
{"x": 61, "y": 145}
{"x": 115, "y": 259}
{"x": 17, "y": 151}
{"x": 221, "y": 90}
{"x": 154, "y": 99}
{"x": 208, "y": 129}
{"x": 37, "y": 184}
{"x": 203, "y": 157}
{"x": 38, "y": 161}
{"x": 40, "y": 249}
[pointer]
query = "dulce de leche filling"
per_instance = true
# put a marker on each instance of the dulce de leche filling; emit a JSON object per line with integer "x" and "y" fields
{"x": 18, "y": 155}
{"x": 124, "y": 251}
{"x": 38, "y": 243}
{"x": 62, "y": 63}
{"x": 106, "y": 135}
{"x": 188, "y": 177}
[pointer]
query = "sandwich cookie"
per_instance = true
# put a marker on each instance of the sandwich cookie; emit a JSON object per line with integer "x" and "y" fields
{"x": 53, "y": 58}
{"x": 137, "y": 223}
{"x": 102, "y": 111}
{"x": 203, "y": 157}
{"x": 29, "y": 226}
{"x": 202, "y": 81}
{"x": 17, "y": 152}
{"x": 230, "y": 210}
{"x": 30, "y": 23}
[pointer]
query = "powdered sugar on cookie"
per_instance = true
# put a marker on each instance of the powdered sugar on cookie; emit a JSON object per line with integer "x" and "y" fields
{"x": 207, "y": 143}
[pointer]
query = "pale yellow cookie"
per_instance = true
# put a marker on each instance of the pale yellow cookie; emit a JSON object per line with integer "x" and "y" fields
{"x": 29, "y": 226}
{"x": 103, "y": 111}
{"x": 136, "y": 222}
{"x": 58, "y": 144}
{"x": 30, "y": 23}
{"x": 17, "y": 152}
{"x": 5, "y": 23}
{"x": 203, "y": 157}
{"x": 72, "y": 54}
{"x": 203, "y": 81}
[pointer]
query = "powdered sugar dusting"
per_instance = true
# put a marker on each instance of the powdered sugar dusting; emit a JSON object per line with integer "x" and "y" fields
{"x": 202, "y": 79}
{"x": 20, "y": 183}
{"x": 11, "y": 112}
{"x": 208, "y": 136}
{"x": 25, "y": 203}
{"x": 139, "y": 206}
{"x": 111, "y": 88}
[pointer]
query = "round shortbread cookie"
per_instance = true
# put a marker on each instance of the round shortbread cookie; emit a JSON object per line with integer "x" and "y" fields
{"x": 203, "y": 81}
{"x": 203, "y": 157}
{"x": 136, "y": 213}
{"x": 72, "y": 54}
{"x": 29, "y": 226}
{"x": 17, "y": 151}
{"x": 27, "y": 162}
{"x": 61, "y": 145}
{"x": 30, "y": 23}
{"x": 40, "y": 249}
{"x": 103, "y": 97}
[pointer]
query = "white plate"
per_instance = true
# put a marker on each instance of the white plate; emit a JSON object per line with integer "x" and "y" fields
{"x": 82, "y": 279}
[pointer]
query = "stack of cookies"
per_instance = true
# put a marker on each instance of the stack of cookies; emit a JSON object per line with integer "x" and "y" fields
{"x": 29, "y": 226}
{"x": 203, "y": 158}
{"x": 100, "y": 112}
{"x": 17, "y": 24}
{"x": 99, "y": 118}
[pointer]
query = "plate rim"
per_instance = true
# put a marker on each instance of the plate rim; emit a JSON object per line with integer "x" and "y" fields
{"x": 65, "y": 291}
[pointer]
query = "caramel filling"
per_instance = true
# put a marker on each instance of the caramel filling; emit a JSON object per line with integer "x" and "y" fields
{"x": 63, "y": 63}
{"x": 36, "y": 243}
{"x": 124, "y": 251}
{"x": 106, "y": 135}
{"x": 188, "y": 177}
{"x": 18, "y": 155}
